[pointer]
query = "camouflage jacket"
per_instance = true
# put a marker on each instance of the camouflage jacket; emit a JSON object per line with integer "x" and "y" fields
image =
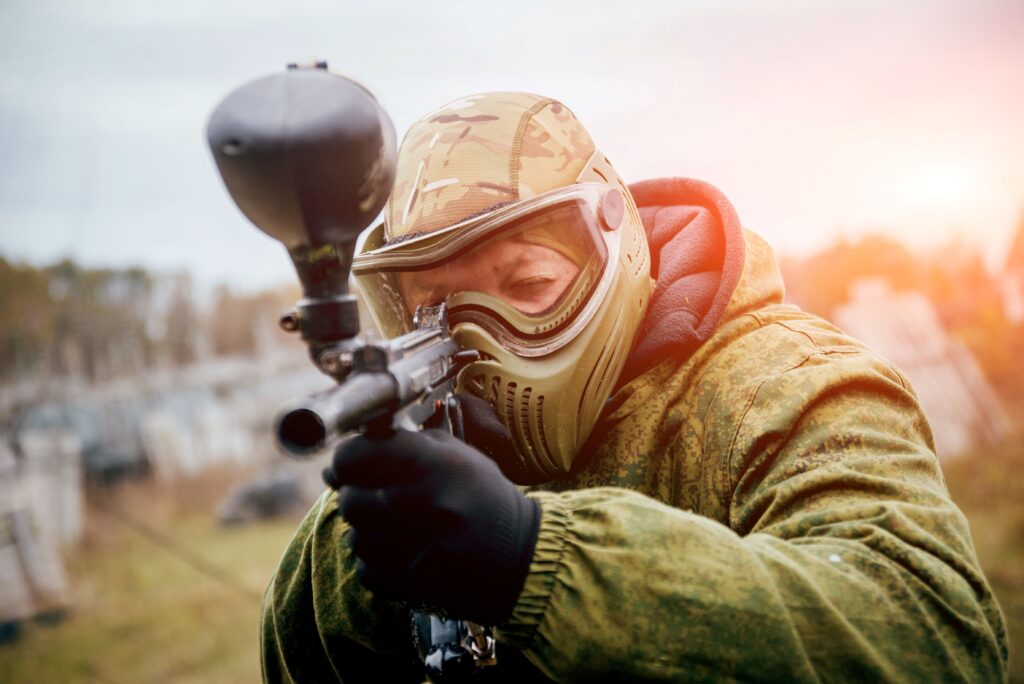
{"x": 768, "y": 507}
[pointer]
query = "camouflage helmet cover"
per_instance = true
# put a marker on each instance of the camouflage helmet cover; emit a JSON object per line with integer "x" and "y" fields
{"x": 479, "y": 152}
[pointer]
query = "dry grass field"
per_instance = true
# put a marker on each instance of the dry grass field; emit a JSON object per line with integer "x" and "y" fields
{"x": 141, "y": 612}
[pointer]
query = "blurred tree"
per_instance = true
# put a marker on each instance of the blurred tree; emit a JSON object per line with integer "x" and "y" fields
{"x": 1015, "y": 257}
{"x": 68, "y": 321}
{"x": 243, "y": 323}
{"x": 821, "y": 282}
{"x": 181, "y": 328}
{"x": 65, "y": 320}
{"x": 100, "y": 320}
{"x": 26, "y": 327}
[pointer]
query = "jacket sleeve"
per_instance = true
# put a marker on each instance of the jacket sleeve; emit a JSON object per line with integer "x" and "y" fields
{"x": 318, "y": 624}
{"x": 840, "y": 556}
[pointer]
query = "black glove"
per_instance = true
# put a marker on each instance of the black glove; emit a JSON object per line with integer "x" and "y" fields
{"x": 435, "y": 523}
{"x": 488, "y": 434}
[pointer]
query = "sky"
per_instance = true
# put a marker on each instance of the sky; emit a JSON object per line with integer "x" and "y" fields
{"x": 817, "y": 118}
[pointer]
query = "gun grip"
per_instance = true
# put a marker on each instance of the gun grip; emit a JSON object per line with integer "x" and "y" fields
{"x": 453, "y": 411}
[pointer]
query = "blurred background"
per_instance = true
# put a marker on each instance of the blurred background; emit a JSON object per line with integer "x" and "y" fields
{"x": 876, "y": 145}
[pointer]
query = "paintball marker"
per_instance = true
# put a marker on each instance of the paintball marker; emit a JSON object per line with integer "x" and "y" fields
{"x": 309, "y": 158}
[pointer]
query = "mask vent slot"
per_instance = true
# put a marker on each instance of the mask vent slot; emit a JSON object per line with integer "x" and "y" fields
{"x": 521, "y": 436}
{"x": 630, "y": 205}
{"x": 535, "y": 450}
{"x": 510, "y": 406}
{"x": 545, "y": 450}
{"x": 641, "y": 256}
{"x": 524, "y": 410}
{"x": 494, "y": 394}
{"x": 524, "y": 422}
{"x": 638, "y": 257}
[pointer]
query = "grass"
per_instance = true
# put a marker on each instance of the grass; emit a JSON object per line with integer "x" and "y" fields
{"x": 140, "y": 613}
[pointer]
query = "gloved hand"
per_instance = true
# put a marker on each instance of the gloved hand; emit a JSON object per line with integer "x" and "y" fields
{"x": 488, "y": 434}
{"x": 435, "y": 523}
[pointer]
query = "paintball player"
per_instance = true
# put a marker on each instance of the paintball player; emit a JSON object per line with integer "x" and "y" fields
{"x": 718, "y": 486}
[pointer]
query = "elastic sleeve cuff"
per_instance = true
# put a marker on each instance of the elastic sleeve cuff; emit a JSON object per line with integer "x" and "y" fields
{"x": 533, "y": 601}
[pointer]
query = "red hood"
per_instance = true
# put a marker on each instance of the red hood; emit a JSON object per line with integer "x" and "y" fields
{"x": 697, "y": 256}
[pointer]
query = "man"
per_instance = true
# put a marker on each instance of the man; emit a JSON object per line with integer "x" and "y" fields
{"x": 724, "y": 487}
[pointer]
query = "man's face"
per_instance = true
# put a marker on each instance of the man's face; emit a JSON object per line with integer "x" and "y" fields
{"x": 529, "y": 276}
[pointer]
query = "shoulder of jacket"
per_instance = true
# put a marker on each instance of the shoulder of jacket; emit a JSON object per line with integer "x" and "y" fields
{"x": 794, "y": 353}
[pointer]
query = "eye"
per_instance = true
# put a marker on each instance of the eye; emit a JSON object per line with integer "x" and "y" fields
{"x": 532, "y": 286}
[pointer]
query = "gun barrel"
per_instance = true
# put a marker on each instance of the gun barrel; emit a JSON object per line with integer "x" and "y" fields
{"x": 308, "y": 426}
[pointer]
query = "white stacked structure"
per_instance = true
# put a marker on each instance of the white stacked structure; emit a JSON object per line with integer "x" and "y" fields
{"x": 903, "y": 327}
{"x": 40, "y": 511}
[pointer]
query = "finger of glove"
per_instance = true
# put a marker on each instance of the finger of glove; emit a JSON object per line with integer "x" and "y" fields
{"x": 379, "y": 580}
{"x": 390, "y": 552}
{"x": 419, "y": 507}
{"x": 481, "y": 418}
{"x": 366, "y": 462}
{"x": 485, "y": 431}
{"x": 361, "y": 505}
{"x": 386, "y": 509}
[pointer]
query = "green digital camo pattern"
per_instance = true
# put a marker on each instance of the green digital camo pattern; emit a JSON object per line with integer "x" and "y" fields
{"x": 768, "y": 509}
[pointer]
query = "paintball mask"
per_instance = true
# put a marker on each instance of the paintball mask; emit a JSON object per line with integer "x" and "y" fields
{"x": 504, "y": 210}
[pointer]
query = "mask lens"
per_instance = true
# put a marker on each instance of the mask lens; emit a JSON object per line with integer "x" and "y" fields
{"x": 528, "y": 273}
{"x": 529, "y": 266}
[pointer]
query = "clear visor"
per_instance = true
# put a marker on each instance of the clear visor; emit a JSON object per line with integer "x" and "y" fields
{"x": 525, "y": 272}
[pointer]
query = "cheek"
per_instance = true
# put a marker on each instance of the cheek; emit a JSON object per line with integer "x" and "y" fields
{"x": 567, "y": 270}
{"x": 562, "y": 269}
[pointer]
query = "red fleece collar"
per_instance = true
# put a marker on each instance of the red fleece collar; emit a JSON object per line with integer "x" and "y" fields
{"x": 697, "y": 255}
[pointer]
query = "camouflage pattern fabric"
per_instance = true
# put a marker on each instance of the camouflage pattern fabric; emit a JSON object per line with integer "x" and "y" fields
{"x": 480, "y": 152}
{"x": 768, "y": 509}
